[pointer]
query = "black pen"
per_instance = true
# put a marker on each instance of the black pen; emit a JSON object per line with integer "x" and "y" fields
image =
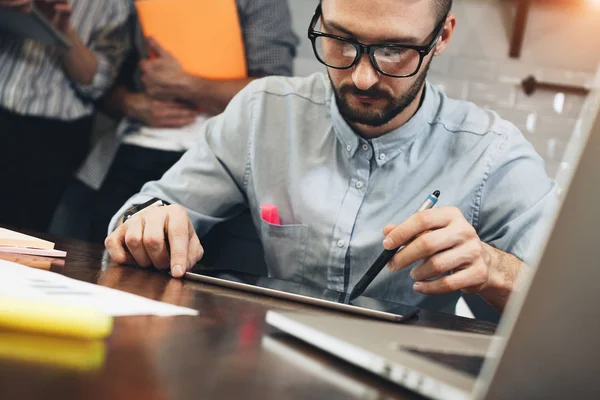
{"x": 387, "y": 255}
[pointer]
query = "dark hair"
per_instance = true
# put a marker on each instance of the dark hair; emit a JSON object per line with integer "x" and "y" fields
{"x": 442, "y": 8}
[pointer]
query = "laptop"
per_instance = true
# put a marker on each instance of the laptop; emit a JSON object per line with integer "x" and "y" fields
{"x": 546, "y": 340}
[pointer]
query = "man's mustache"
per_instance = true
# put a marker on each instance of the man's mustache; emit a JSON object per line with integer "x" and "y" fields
{"x": 373, "y": 92}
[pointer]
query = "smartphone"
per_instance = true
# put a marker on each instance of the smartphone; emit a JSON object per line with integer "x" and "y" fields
{"x": 304, "y": 293}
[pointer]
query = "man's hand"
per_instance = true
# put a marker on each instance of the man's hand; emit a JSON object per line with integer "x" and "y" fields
{"x": 18, "y": 5}
{"x": 449, "y": 245}
{"x": 160, "y": 236}
{"x": 165, "y": 79}
{"x": 158, "y": 113}
{"x": 58, "y": 12}
{"x": 163, "y": 76}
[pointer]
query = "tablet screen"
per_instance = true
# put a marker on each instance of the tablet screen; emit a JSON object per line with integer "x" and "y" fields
{"x": 304, "y": 293}
{"x": 32, "y": 25}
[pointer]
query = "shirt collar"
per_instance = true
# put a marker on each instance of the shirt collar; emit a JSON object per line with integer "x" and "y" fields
{"x": 388, "y": 146}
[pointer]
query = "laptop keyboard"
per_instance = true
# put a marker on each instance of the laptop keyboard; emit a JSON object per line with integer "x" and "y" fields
{"x": 469, "y": 364}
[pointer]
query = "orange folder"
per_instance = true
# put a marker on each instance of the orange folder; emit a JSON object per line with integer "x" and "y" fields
{"x": 204, "y": 36}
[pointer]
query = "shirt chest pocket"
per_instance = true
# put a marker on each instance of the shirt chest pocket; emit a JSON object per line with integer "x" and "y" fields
{"x": 285, "y": 250}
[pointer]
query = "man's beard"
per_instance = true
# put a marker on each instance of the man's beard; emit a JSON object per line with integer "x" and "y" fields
{"x": 376, "y": 118}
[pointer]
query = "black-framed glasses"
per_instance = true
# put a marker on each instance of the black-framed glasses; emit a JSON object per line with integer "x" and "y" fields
{"x": 396, "y": 61}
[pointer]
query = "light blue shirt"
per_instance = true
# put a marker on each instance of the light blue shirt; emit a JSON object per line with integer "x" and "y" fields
{"x": 282, "y": 141}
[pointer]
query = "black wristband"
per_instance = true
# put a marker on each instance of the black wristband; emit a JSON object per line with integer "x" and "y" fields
{"x": 139, "y": 207}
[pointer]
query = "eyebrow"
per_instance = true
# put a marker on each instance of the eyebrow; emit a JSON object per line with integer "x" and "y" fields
{"x": 398, "y": 40}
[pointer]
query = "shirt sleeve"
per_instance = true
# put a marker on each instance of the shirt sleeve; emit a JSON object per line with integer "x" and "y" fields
{"x": 210, "y": 180}
{"x": 270, "y": 44}
{"x": 516, "y": 199}
{"x": 110, "y": 41}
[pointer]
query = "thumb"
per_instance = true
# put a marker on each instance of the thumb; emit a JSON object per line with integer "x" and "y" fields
{"x": 156, "y": 49}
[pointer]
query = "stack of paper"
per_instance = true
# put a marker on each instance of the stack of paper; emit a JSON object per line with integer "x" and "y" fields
{"x": 21, "y": 282}
{"x": 15, "y": 242}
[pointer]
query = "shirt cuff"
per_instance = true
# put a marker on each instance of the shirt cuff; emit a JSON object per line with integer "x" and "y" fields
{"x": 101, "y": 81}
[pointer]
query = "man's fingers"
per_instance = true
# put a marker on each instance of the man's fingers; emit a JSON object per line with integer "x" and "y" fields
{"x": 115, "y": 245}
{"x": 174, "y": 104}
{"x": 174, "y": 112}
{"x": 155, "y": 242}
{"x": 173, "y": 116}
{"x": 14, "y": 3}
{"x": 61, "y": 6}
{"x": 145, "y": 66}
{"x": 64, "y": 10}
{"x": 424, "y": 247}
{"x": 134, "y": 241}
{"x": 473, "y": 277}
{"x": 173, "y": 123}
{"x": 446, "y": 261}
{"x": 156, "y": 49}
{"x": 177, "y": 227}
{"x": 418, "y": 223}
{"x": 388, "y": 228}
{"x": 23, "y": 6}
{"x": 195, "y": 251}
{"x": 142, "y": 239}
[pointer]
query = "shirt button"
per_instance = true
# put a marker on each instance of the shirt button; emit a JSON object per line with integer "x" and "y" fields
{"x": 349, "y": 148}
{"x": 359, "y": 185}
{"x": 365, "y": 147}
{"x": 341, "y": 243}
{"x": 382, "y": 157}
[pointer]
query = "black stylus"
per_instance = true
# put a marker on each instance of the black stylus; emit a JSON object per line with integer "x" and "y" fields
{"x": 387, "y": 255}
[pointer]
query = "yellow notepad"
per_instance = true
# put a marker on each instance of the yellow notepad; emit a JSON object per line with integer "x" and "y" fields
{"x": 58, "y": 352}
{"x": 53, "y": 319}
{"x": 204, "y": 36}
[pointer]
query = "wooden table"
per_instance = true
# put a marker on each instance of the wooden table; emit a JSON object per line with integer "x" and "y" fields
{"x": 227, "y": 352}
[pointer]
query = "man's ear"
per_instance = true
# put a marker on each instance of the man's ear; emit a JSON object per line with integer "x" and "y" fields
{"x": 447, "y": 33}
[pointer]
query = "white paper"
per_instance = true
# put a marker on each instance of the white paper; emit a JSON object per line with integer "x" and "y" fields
{"x": 19, "y": 281}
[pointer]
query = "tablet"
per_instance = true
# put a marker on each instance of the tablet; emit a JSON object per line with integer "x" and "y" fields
{"x": 32, "y": 25}
{"x": 304, "y": 293}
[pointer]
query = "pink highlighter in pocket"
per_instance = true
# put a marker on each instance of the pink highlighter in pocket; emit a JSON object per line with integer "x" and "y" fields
{"x": 269, "y": 213}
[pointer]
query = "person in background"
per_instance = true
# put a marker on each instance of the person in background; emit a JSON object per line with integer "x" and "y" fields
{"x": 46, "y": 102}
{"x": 160, "y": 117}
{"x": 346, "y": 158}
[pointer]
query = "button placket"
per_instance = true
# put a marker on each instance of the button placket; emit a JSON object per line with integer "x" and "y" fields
{"x": 342, "y": 233}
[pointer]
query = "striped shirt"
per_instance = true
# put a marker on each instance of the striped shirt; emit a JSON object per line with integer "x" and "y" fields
{"x": 270, "y": 47}
{"x": 32, "y": 81}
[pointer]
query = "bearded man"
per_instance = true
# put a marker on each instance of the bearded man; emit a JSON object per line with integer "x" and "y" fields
{"x": 348, "y": 155}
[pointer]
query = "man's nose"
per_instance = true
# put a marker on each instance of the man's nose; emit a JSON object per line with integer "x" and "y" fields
{"x": 364, "y": 74}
